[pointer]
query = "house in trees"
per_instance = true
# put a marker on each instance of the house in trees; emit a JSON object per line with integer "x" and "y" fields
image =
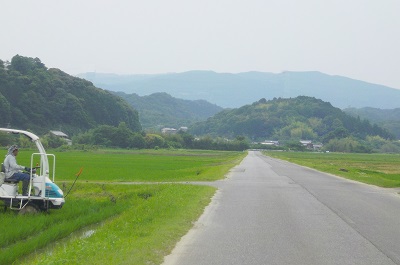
{"x": 169, "y": 130}
{"x": 307, "y": 143}
{"x": 62, "y": 135}
{"x": 173, "y": 130}
{"x": 270, "y": 143}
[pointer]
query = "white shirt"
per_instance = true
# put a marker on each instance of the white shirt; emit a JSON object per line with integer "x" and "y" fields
{"x": 11, "y": 166}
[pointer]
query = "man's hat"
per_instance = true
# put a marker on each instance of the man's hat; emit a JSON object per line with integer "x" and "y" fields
{"x": 12, "y": 149}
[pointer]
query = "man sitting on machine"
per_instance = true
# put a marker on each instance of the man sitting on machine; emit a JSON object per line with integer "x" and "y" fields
{"x": 13, "y": 171}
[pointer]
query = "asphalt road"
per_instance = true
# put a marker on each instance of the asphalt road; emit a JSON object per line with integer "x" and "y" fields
{"x": 273, "y": 212}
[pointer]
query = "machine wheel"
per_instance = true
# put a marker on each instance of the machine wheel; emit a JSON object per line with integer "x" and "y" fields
{"x": 29, "y": 209}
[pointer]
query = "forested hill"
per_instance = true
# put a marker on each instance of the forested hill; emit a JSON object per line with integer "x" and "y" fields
{"x": 162, "y": 110}
{"x": 386, "y": 118}
{"x": 283, "y": 119}
{"x": 40, "y": 99}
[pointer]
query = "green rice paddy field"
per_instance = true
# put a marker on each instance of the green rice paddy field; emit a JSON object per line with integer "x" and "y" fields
{"x": 107, "y": 221}
{"x": 382, "y": 170}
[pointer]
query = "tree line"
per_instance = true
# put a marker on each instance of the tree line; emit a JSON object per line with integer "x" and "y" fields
{"x": 106, "y": 136}
{"x": 123, "y": 137}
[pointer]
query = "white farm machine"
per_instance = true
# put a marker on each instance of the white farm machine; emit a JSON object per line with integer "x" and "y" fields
{"x": 43, "y": 193}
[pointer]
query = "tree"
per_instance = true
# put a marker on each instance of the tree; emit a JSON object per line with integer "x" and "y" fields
{"x": 295, "y": 146}
{"x": 187, "y": 139}
{"x": 347, "y": 145}
{"x": 53, "y": 141}
{"x": 123, "y": 136}
{"x": 205, "y": 143}
{"x": 138, "y": 141}
{"x": 154, "y": 141}
{"x": 338, "y": 133}
{"x": 103, "y": 135}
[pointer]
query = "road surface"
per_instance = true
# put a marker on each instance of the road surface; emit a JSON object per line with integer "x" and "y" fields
{"x": 270, "y": 211}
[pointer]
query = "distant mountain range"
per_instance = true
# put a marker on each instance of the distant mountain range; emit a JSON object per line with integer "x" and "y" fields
{"x": 235, "y": 90}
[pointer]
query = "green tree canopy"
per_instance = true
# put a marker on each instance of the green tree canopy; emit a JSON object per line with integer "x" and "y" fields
{"x": 40, "y": 99}
{"x": 288, "y": 119}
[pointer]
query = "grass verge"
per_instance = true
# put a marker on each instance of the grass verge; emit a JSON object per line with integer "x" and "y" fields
{"x": 376, "y": 169}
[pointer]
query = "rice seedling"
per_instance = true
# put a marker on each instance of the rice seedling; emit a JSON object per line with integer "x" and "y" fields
{"x": 134, "y": 224}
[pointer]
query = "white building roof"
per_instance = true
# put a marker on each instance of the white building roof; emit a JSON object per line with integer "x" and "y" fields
{"x": 60, "y": 134}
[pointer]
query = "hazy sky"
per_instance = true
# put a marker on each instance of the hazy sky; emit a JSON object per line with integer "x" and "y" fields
{"x": 359, "y": 39}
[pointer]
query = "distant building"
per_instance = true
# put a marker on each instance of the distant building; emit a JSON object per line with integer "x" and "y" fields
{"x": 62, "y": 135}
{"x": 317, "y": 147}
{"x": 169, "y": 130}
{"x": 307, "y": 143}
{"x": 173, "y": 130}
{"x": 268, "y": 142}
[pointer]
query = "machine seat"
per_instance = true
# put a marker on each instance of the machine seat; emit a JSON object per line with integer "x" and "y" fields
{"x": 10, "y": 181}
{"x": 4, "y": 180}
{"x": 3, "y": 177}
